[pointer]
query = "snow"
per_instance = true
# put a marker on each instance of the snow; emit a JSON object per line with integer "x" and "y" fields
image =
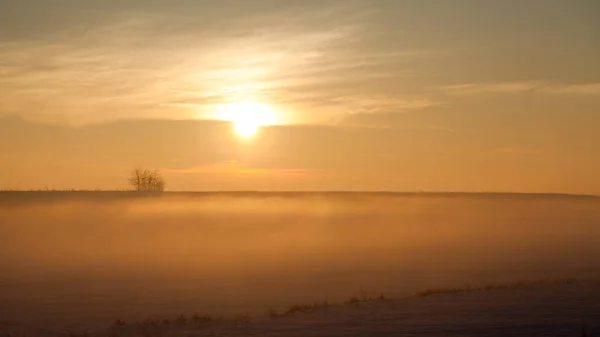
{"x": 542, "y": 310}
{"x": 549, "y": 311}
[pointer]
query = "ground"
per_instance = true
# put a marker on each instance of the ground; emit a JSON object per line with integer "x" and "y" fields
{"x": 553, "y": 309}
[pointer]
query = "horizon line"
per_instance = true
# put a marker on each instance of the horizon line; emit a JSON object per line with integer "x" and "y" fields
{"x": 125, "y": 191}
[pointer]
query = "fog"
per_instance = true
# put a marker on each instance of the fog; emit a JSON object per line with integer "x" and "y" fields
{"x": 81, "y": 261}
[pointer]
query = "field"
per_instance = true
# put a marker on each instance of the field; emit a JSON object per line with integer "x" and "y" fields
{"x": 236, "y": 263}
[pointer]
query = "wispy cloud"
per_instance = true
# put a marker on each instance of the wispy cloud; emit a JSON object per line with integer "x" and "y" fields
{"x": 155, "y": 65}
{"x": 129, "y": 68}
{"x": 520, "y": 87}
{"x": 574, "y": 89}
{"x": 483, "y": 88}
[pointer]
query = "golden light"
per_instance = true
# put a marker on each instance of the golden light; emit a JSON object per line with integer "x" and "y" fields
{"x": 246, "y": 129}
{"x": 247, "y": 117}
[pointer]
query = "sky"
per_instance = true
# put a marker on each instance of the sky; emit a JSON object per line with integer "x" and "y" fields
{"x": 383, "y": 95}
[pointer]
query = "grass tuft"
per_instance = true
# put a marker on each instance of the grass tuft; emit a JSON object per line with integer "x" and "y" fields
{"x": 298, "y": 308}
{"x": 181, "y": 320}
{"x": 201, "y": 319}
{"x": 353, "y": 300}
{"x": 273, "y": 313}
{"x": 363, "y": 296}
{"x": 119, "y": 322}
{"x": 243, "y": 319}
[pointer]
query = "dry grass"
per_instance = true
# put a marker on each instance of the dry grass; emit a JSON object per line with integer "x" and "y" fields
{"x": 243, "y": 319}
{"x": 155, "y": 327}
{"x": 306, "y": 307}
{"x": 151, "y": 327}
{"x": 520, "y": 285}
{"x": 363, "y": 296}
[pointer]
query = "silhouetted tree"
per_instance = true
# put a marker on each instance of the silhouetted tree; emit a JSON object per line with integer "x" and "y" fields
{"x": 144, "y": 180}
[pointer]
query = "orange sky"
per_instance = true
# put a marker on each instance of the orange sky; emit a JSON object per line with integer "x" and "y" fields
{"x": 367, "y": 95}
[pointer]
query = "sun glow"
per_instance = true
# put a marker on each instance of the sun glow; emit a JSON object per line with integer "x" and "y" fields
{"x": 247, "y": 117}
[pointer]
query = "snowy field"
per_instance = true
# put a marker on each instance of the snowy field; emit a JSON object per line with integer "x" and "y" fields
{"x": 548, "y": 310}
{"x": 71, "y": 263}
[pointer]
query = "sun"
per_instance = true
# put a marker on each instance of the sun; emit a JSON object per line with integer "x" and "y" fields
{"x": 247, "y": 117}
{"x": 245, "y": 129}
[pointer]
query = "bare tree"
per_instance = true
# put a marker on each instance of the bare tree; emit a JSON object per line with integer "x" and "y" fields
{"x": 136, "y": 179}
{"x": 144, "y": 180}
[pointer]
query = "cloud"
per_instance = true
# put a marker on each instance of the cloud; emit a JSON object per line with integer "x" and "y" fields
{"x": 574, "y": 89}
{"x": 521, "y": 87}
{"x": 132, "y": 67}
{"x": 181, "y": 62}
{"x": 480, "y": 88}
